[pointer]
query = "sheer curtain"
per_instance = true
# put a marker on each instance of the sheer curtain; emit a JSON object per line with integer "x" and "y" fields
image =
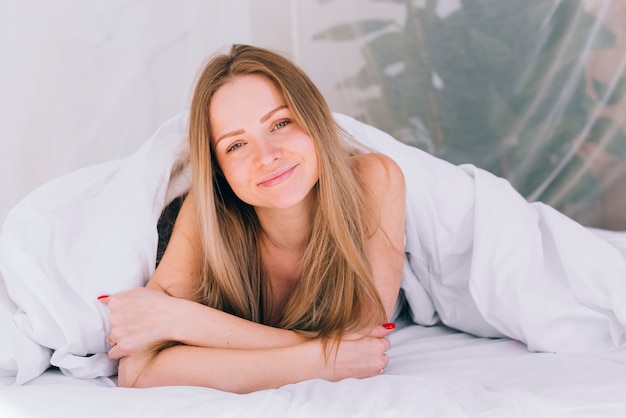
{"x": 532, "y": 90}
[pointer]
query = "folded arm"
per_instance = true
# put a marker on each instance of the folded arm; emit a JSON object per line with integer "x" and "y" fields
{"x": 143, "y": 317}
{"x": 225, "y": 352}
{"x": 217, "y": 349}
{"x": 247, "y": 370}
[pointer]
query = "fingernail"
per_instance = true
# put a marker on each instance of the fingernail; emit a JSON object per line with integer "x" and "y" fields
{"x": 102, "y": 297}
{"x": 389, "y": 325}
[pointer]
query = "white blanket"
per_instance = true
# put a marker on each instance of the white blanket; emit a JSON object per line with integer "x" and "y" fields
{"x": 479, "y": 257}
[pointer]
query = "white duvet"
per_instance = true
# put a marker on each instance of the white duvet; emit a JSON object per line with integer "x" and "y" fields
{"x": 479, "y": 257}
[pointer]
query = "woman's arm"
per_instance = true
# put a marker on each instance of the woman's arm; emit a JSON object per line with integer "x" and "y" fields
{"x": 384, "y": 180}
{"x": 163, "y": 311}
{"x": 217, "y": 349}
{"x": 248, "y": 370}
{"x": 217, "y": 346}
{"x": 143, "y": 317}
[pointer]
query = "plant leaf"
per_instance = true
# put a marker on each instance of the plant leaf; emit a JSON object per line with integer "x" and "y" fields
{"x": 351, "y": 31}
{"x": 616, "y": 95}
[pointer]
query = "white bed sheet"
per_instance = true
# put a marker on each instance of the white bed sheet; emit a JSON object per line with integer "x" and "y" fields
{"x": 433, "y": 372}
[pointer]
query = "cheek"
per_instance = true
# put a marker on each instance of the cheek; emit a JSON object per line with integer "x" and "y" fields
{"x": 314, "y": 160}
{"x": 315, "y": 167}
{"x": 235, "y": 178}
{"x": 229, "y": 174}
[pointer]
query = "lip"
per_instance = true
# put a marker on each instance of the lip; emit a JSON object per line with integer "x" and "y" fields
{"x": 277, "y": 177}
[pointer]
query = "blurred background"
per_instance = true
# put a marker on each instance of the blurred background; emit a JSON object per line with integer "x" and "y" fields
{"x": 532, "y": 90}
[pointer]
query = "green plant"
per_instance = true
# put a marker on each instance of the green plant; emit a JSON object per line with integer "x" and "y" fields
{"x": 497, "y": 83}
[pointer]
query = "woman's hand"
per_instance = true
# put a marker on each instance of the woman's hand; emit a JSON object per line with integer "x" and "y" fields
{"x": 360, "y": 355}
{"x": 139, "y": 319}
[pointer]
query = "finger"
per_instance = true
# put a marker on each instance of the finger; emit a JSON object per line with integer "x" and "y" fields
{"x": 380, "y": 369}
{"x": 103, "y": 299}
{"x": 385, "y": 360}
{"x": 381, "y": 331}
{"x": 115, "y": 353}
{"x": 386, "y": 344}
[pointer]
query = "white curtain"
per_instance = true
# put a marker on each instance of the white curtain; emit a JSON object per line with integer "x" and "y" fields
{"x": 529, "y": 89}
{"x": 532, "y": 90}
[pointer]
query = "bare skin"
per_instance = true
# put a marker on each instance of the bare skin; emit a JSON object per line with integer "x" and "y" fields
{"x": 270, "y": 163}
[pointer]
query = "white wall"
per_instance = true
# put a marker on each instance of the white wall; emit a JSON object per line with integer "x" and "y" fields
{"x": 85, "y": 81}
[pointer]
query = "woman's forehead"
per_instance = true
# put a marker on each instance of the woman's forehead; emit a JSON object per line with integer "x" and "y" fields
{"x": 243, "y": 97}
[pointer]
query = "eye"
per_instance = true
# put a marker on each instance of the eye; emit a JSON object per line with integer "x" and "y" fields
{"x": 281, "y": 124}
{"x": 234, "y": 147}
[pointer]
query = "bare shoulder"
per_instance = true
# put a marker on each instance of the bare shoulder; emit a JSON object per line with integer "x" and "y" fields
{"x": 180, "y": 267}
{"x": 382, "y": 181}
{"x": 379, "y": 173}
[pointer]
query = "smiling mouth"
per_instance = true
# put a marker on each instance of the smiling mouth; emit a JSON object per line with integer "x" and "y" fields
{"x": 278, "y": 178}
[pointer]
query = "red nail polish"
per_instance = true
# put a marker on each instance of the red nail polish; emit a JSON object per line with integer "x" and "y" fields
{"x": 102, "y": 297}
{"x": 389, "y": 325}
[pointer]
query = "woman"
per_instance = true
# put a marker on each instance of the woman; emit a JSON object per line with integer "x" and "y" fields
{"x": 287, "y": 254}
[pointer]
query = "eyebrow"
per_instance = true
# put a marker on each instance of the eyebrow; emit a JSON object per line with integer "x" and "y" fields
{"x": 271, "y": 112}
{"x": 226, "y": 135}
{"x": 241, "y": 131}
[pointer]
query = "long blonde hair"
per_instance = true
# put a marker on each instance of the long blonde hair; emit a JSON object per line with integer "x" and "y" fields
{"x": 336, "y": 292}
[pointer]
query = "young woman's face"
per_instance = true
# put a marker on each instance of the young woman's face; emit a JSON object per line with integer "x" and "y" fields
{"x": 266, "y": 157}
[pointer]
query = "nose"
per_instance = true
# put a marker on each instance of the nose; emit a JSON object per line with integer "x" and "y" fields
{"x": 268, "y": 150}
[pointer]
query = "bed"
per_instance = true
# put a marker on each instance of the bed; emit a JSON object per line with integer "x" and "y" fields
{"x": 433, "y": 372}
{"x": 494, "y": 357}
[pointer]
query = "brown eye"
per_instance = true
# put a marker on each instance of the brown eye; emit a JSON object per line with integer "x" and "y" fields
{"x": 281, "y": 124}
{"x": 234, "y": 147}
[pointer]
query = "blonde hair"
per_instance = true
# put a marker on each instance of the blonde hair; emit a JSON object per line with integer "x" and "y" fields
{"x": 336, "y": 292}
